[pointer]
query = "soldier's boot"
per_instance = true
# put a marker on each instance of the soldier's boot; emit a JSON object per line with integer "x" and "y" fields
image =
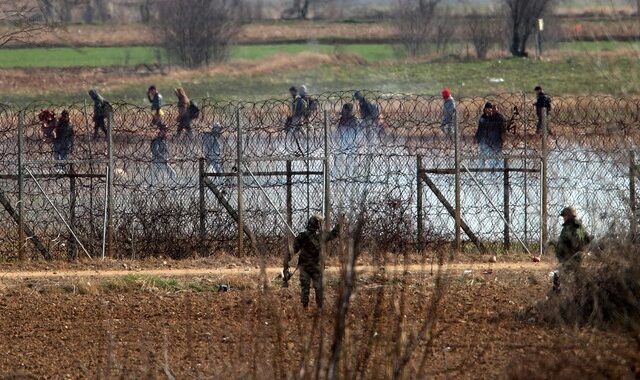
{"x": 317, "y": 286}
{"x": 556, "y": 282}
{"x": 305, "y": 285}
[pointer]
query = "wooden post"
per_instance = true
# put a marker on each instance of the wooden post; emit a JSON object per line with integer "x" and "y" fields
{"x": 506, "y": 199}
{"x": 110, "y": 239}
{"x": 21, "y": 238}
{"x": 458, "y": 241}
{"x": 240, "y": 184}
{"x": 545, "y": 185}
{"x": 202, "y": 207}
{"x": 420, "y": 189}
{"x": 633, "y": 226}
{"x": 73, "y": 249}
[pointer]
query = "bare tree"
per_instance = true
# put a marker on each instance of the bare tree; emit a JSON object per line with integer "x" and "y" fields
{"x": 416, "y": 22}
{"x": 522, "y": 16}
{"x": 298, "y": 10}
{"x": 199, "y": 32}
{"x": 483, "y": 32}
{"x": 25, "y": 21}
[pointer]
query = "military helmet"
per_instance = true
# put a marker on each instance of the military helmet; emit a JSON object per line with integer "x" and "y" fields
{"x": 315, "y": 222}
{"x": 569, "y": 211}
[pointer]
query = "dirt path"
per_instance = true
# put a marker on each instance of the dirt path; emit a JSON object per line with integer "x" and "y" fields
{"x": 457, "y": 267}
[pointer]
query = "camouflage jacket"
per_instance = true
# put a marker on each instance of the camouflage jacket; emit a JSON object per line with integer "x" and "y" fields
{"x": 308, "y": 243}
{"x": 573, "y": 239}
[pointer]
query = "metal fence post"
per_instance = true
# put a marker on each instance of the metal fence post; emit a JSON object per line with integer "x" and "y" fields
{"x": 110, "y": 239}
{"x": 545, "y": 185}
{"x": 289, "y": 195}
{"x": 201, "y": 206}
{"x": 21, "y": 237}
{"x": 327, "y": 179}
{"x": 633, "y": 225}
{"x": 240, "y": 183}
{"x": 458, "y": 241}
{"x": 420, "y": 189}
{"x": 72, "y": 211}
{"x": 506, "y": 200}
{"x": 526, "y": 174}
{"x": 326, "y": 201}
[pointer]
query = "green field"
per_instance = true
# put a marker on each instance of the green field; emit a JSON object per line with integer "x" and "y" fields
{"x": 137, "y": 55}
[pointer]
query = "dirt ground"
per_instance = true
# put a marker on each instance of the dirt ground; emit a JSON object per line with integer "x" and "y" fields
{"x": 171, "y": 324}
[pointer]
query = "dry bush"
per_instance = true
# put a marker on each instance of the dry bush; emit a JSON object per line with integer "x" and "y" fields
{"x": 483, "y": 31}
{"x": 199, "y": 32}
{"x": 417, "y": 24}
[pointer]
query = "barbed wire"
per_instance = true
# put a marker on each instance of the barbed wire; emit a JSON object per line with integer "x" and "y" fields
{"x": 157, "y": 195}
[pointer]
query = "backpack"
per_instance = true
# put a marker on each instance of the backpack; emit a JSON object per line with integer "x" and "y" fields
{"x": 547, "y": 103}
{"x": 194, "y": 111}
{"x": 312, "y": 106}
{"x": 106, "y": 108}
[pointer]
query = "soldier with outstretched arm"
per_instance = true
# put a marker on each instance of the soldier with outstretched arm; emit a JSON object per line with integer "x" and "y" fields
{"x": 308, "y": 244}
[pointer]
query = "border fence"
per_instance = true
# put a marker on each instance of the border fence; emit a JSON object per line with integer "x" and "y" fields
{"x": 242, "y": 178}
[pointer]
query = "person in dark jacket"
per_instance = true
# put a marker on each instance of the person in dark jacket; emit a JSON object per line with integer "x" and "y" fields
{"x": 63, "y": 139}
{"x": 155, "y": 98}
{"x": 369, "y": 111}
{"x": 490, "y": 133}
{"x": 543, "y": 109}
{"x": 347, "y": 128}
{"x": 48, "y": 124}
{"x": 298, "y": 109}
{"x": 101, "y": 110}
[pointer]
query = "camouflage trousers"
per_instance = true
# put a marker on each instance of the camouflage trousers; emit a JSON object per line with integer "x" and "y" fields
{"x": 569, "y": 271}
{"x": 309, "y": 276}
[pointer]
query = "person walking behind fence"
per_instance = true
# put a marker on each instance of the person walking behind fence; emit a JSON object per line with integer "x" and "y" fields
{"x": 63, "y": 140}
{"x": 47, "y": 123}
{"x": 211, "y": 148}
{"x": 308, "y": 244}
{"x": 369, "y": 115}
{"x": 297, "y": 118}
{"x": 569, "y": 248}
{"x": 155, "y": 98}
{"x": 449, "y": 118}
{"x": 347, "y": 126}
{"x": 159, "y": 152}
{"x": 187, "y": 112}
{"x": 298, "y": 107}
{"x": 369, "y": 111}
{"x": 543, "y": 109}
{"x": 101, "y": 111}
{"x": 490, "y": 134}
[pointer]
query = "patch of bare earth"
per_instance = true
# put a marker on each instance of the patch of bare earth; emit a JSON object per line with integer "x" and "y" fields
{"x": 59, "y": 332}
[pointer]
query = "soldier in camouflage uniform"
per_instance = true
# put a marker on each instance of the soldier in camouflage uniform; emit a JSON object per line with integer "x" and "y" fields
{"x": 572, "y": 241}
{"x": 308, "y": 244}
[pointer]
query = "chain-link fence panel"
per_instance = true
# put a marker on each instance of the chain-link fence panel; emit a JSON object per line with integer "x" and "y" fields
{"x": 175, "y": 183}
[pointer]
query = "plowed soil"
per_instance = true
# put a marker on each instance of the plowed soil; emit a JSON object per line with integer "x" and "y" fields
{"x": 155, "y": 325}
